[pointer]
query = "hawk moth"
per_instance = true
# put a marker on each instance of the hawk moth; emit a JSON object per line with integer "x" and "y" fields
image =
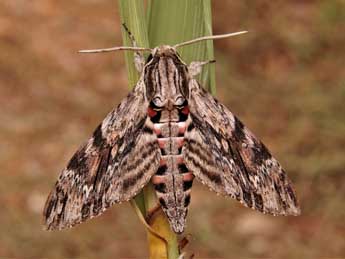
{"x": 168, "y": 130}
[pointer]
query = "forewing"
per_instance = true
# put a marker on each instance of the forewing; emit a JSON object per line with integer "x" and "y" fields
{"x": 113, "y": 166}
{"x": 224, "y": 155}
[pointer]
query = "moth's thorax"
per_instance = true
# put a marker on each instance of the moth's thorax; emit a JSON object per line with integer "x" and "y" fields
{"x": 166, "y": 78}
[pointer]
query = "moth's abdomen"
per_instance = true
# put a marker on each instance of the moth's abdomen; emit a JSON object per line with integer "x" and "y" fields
{"x": 173, "y": 180}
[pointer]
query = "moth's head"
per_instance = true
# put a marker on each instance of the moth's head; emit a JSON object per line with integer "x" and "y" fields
{"x": 163, "y": 51}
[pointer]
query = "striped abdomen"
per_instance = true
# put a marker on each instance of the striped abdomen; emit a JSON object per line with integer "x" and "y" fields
{"x": 173, "y": 181}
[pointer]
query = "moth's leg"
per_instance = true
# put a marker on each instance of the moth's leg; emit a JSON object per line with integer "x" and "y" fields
{"x": 139, "y": 59}
{"x": 195, "y": 67}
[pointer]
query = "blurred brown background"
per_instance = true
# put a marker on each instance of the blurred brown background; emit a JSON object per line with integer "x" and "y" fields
{"x": 285, "y": 80}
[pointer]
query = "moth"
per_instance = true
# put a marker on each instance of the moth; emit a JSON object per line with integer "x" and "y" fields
{"x": 168, "y": 130}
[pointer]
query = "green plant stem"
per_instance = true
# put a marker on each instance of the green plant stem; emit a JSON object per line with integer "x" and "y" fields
{"x": 133, "y": 15}
{"x": 165, "y": 18}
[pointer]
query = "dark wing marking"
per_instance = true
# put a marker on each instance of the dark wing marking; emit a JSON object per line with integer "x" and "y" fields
{"x": 224, "y": 155}
{"x": 113, "y": 166}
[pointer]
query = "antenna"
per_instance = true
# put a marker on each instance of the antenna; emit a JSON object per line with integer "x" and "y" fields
{"x": 114, "y": 49}
{"x": 212, "y": 37}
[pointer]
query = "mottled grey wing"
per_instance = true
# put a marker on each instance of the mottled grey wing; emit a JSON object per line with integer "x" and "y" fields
{"x": 113, "y": 166}
{"x": 224, "y": 155}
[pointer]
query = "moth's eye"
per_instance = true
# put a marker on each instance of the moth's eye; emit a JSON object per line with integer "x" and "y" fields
{"x": 149, "y": 58}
